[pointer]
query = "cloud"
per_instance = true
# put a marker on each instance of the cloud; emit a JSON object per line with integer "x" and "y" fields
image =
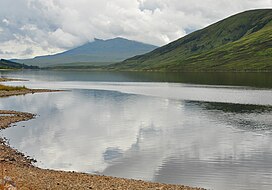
{"x": 6, "y": 52}
{"x": 28, "y": 51}
{"x": 5, "y": 21}
{"x": 50, "y": 26}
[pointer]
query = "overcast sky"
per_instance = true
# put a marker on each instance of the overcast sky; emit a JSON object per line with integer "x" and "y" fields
{"x": 36, "y": 27}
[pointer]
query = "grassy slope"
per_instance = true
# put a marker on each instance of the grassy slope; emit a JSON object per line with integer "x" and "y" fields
{"x": 241, "y": 42}
{"x": 251, "y": 53}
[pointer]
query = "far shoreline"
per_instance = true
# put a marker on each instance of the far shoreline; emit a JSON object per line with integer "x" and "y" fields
{"x": 101, "y": 69}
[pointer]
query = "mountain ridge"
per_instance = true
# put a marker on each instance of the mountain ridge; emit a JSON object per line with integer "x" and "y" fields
{"x": 98, "y": 51}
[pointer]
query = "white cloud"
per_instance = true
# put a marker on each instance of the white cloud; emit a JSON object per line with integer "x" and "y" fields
{"x": 5, "y": 21}
{"x": 50, "y": 26}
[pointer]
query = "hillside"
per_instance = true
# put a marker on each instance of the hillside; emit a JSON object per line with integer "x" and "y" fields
{"x": 242, "y": 42}
{"x": 5, "y": 64}
{"x": 98, "y": 52}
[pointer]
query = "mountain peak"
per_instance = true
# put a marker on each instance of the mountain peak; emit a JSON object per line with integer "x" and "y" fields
{"x": 97, "y": 39}
{"x": 97, "y": 51}
{"x": 119, "y": 38}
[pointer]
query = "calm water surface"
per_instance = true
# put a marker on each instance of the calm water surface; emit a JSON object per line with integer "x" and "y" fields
{"x": 214, "y": 133}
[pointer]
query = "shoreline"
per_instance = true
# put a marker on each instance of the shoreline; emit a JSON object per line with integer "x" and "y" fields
{"x": 17, "y": 170}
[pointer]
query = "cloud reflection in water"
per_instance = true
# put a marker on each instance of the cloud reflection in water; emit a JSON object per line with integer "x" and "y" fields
{"x": 150, "y": 138}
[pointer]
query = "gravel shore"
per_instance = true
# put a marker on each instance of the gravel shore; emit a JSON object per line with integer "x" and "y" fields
{"x": 17, "y": 170}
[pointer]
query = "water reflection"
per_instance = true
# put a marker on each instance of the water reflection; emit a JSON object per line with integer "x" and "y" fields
{"x": 206, "y": 93}
{"x": 242, "y": 116}
{"x": 212, "y": 145}
{"x": 261, "y": 80}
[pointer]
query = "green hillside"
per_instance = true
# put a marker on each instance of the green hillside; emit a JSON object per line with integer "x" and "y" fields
{"x": 242, "y": 42}
{"x": 6, "y": 64}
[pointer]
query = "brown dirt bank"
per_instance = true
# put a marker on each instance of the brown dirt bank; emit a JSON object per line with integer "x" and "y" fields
{"x": 3, "y": 79}
{"x": 23, "y": 92}
{"x": 19, "y": 173}
{"x": 15, "y": 91}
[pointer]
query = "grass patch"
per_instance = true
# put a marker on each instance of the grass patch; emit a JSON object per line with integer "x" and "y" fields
{"x": 12, "y": 88}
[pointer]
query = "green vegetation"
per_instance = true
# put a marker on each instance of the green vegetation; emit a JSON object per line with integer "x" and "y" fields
{"x": 5, "y": 64}
{"x": 11, "y": 88}
{"x": 242, "y": 42}
{"x": 78, "y": 65}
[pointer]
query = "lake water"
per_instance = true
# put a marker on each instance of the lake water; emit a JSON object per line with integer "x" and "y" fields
{"x": 208, "y": 130}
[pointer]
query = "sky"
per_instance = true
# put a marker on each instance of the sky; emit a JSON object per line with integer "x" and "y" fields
{"x": 30, "y": 28}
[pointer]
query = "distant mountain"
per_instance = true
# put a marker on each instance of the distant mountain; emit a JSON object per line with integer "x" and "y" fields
{"x": 242, "y": 42}
{"x": 98, "y": 52}
{"x": 5, "y": 64}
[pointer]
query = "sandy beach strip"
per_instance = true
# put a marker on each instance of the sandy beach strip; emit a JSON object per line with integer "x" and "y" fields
{"x": 18, "y": 172}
